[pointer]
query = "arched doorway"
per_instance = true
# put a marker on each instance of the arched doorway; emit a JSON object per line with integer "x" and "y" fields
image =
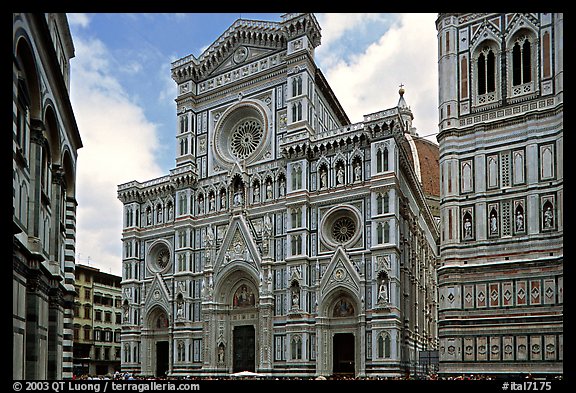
{"x": 244, "y": 347}
{"x": 340, "y": 332}
{"x": 158, "y": 338}
{"x": 343, "y": 354}
{"x": 236, "y": 319}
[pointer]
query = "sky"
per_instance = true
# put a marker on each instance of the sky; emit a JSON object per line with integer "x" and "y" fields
{"x": 123, "y": 95}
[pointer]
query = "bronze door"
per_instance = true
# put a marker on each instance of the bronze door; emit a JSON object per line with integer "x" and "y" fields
{"x": 244, "y": 348}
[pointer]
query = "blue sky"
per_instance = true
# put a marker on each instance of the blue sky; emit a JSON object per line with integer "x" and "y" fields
{"x": 123, "y": 95}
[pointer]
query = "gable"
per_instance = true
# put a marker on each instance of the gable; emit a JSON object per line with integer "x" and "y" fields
{"x": 238, "y": 247}
{"x": 340, "y": 273}
{"x": 241, "y": 56}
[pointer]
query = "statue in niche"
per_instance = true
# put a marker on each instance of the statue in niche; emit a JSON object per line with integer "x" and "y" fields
{"x": 295, "y": 289}
{"x": 467, "y": 228}
{"x": 222, "y": 201}
{"x": 221, "y": 353}
{"x": 357, "y": 171}
{"x": 256, "y": 192}
{"x": 148, "y": 216}
{"x": 269, "y": 193}
{"x": 383, "y": 292}
{"x": 212, "y": 203}
{"x": 548, "y": 217}
{"x": 340, "y": 175}
{"x": 159, "y": 214}
{"x": 282, "y": 187}
{"x": 201, "y": 205}
{"x": 170, "y": 212}
{"x": 519, "y": 221}
{"x": 323, "y": 178}
{"x": 238, "y": 197}
{"x": 493, "y": 223}
{"x": 180, "y": 308}
{"x": 295, "y": 300}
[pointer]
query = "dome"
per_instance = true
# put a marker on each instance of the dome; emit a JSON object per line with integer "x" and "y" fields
{"x": 425, "y": 161}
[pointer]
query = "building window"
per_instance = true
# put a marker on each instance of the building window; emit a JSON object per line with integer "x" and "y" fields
{"x": 297, "y": 111}
{"x": 296, "y": 244}
{"x": 296, "y": 217}
{"x": 486, "y": 72}
{"x": 296, "y": 86}
{"x": 296, "y": 347}
{"x": 382, "y": 160}
{"x": 521, "y": 62}
{"x": 384, "y": 345}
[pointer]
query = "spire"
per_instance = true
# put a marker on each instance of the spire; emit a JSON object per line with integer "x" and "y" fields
{"x": 405, "y": 112}
{"x": 401, "y": 101}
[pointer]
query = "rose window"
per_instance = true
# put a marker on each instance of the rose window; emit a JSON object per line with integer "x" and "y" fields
{"x": 245, "y": 138}
{"x": 341, "y": 226}
{"x": 163, "y": 258}
{"x": 343, "y": 229}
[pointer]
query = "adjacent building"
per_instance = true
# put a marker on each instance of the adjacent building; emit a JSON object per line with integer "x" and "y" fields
{"x": 501, "y": 285}
{"x": 97, "y": 322}
{"x": 286, "y": 240}
{"x": 45, "y": 141}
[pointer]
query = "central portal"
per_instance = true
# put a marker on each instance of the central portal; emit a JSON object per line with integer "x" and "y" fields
{"x": 244, "y": 348}
{"x": 162, "y": 358}
{"x": 343, "y": 353}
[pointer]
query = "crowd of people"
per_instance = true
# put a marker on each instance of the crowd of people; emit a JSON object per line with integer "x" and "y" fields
{"x": 432, "y": 377}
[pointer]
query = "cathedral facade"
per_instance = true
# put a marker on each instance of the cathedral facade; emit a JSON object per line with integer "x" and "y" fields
{"x": 501, "y": 169}
{"x": 286, "y": 240}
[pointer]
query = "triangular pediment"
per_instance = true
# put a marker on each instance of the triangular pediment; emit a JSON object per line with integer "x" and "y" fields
{"x": 520, "y": 21}
{"x": 238, "y": 247}
{"x": 157, "y": 293}
{"x": 340, "y": 272}
{"x": 259, "y": 37}
{"x": 239, "y": 57}
{"x": 483, "y": 32}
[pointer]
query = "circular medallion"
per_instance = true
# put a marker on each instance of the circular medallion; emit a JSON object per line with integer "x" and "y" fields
{"x": 339, "y": 274}
{"x": 240, "y": 55}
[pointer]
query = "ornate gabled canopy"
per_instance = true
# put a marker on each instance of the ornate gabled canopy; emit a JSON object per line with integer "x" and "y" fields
{"x": 244, "y": 38}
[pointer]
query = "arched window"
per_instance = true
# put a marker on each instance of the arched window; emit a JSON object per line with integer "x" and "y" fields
{"x": 382, "y": 160}
{"x": 521, "y": 62}
{"x": 385, "y": 159}
{"x": 296, "y": 86}
{"x": 486, "y": 72}
{"x": 296, "y": 347}
{"x": 385, "y": 203}
{"x": 386, "y": 230}
{"x": 384, "y": 345}
{"x": 379, "y": 233}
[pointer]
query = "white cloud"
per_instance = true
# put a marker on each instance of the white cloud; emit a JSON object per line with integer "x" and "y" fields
{"x": 81, "y": 20}
{"x": 369, "y": 82}
{"x": 119, "y": 145}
